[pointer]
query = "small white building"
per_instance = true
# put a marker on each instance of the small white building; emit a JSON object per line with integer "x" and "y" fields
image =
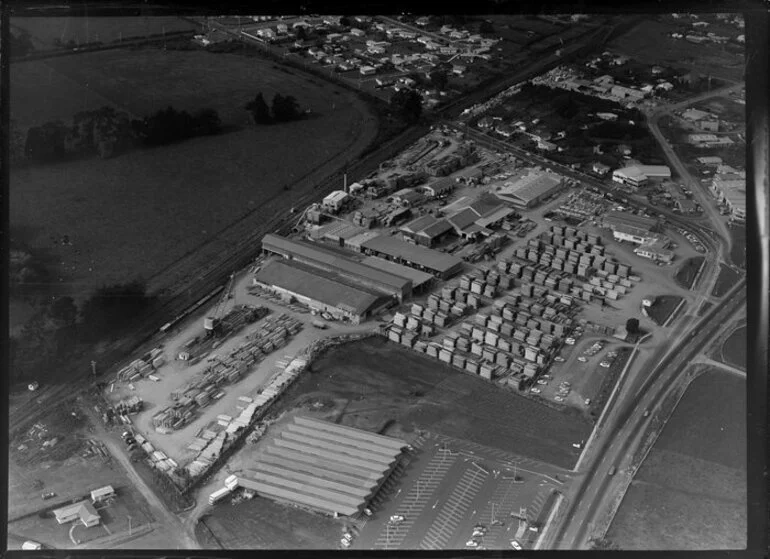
{"x": 102, "y": 494}
{"x": 335, "y": 201}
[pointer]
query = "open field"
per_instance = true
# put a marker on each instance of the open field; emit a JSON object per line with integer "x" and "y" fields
{"x": 734, "y": 349}
{"x": 686, "y": 273}
{"x": 387, "y": 382}
{"x": 690, "y": 492}
{"x": 649, "y": 42}
{"x": 726, "y": 280}
{"x": 662, "y": 308}
{"x": 264, "y": 524}
{"x": 162, "y": 204}
{"x": 45, "y": 30}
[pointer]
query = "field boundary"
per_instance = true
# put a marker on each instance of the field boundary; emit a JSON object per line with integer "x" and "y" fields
{"x": 641, "y": 454}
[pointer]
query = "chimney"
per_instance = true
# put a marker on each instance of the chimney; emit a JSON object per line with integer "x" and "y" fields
{"x": 345, "y": 183}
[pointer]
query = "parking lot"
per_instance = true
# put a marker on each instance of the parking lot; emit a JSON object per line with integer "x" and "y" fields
{"x": 479, "y": 485}
{"x": 577, "y": 379}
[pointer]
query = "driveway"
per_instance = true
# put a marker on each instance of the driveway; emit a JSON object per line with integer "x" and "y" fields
{"x": 178, "y": 536}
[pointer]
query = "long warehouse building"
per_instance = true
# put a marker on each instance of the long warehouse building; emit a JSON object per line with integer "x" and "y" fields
{"x": 324, "y": 466}
{"x": 320, "y": 290}
{"x": 339, "y": 261}
{"x": 432, "y": 261}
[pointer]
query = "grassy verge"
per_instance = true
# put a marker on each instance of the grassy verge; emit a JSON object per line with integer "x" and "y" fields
{"x": 598, "y": 403}
{"x": 662, "y": 308}
{"x": 685, "y": 275}
{"x": 727, "y": 278}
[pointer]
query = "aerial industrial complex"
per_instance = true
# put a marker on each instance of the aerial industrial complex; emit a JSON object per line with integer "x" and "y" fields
{"x": 522, "y": 292}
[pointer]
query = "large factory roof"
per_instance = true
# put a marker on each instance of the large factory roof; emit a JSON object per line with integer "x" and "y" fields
{"x": 324, "y": 466}
{"x": 417, "y": 277}
{"x": 531, "y": 187}
{"x": 305, "y": 281}
{"x": 338, "y": 259}
{"x": 613, "y": 219}
{"x": 431, "y": 259}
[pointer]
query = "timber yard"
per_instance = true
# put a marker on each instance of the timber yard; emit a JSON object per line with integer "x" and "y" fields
{"x": 468, "y": 337}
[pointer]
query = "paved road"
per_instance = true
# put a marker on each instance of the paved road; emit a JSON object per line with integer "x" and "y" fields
{"x": 720, "y": 365}
{"x": 178, "y": 535}
{"x": 626, "y": 424}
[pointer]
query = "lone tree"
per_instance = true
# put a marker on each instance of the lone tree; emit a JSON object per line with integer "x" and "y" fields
{"x": 439, "y": 78}
{"x": 486, "y": 28}
{"x": 407, "y": 104}
{"x": 632, "y": 326}
{"x": 259, "y": 110}
{"x": 285, "y": 108}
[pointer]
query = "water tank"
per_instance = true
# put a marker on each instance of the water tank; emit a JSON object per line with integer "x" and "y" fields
{"x": 208, "y": 323}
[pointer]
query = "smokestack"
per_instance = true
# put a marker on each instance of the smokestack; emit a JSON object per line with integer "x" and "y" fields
{"x": 345, "y": 183}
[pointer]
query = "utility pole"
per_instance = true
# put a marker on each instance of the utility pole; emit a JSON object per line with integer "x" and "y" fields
{"x": 129, "y": 524}
{"x": 93, "y": 368}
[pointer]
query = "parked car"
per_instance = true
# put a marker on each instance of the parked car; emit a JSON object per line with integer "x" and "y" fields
{"x": 471, "y": 543}
{"x": 534, "y": 390}
{"x": 559, "y": 359}
{"x": 587, "y": 401}
{"x": 570, "y": 341}
{"x": 48, "y": 495}
{"x": 345, "y": 543}
{"x": 515, "y": 545}
{"x": 397, "y": 518}
{"x": 582, "y": 359}
{"x": 604, "y": 364}
{"x": 542, "y": 381}
{"x": 558, "y": 398}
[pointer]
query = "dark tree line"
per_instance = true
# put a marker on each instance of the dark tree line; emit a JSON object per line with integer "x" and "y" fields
{"x": 407, "y": 104}
{"x": 60, "y": 328}
{"x": 107, "y": 132}
{"x": 285, "y": 108}
{"x": 20, "y": 43}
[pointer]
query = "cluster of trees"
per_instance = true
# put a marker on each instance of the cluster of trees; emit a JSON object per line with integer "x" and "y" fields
{"x": 107, "y": 132}
{"x": 285, "y": 108}
{"x": 407, "y": 104}
{"x": 60, "y": 329}
{"x": 20, "y": 43}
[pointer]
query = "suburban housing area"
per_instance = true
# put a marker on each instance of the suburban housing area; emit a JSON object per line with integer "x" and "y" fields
{"x": 494, "y": 326}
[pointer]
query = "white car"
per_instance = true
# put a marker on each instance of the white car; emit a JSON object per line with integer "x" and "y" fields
{"x": 471, "y": 543}
{"x": 396, "y": 518}
{"x": 542, "y": 381}
{"x": 604, "y": 364}
{"x": 534, "y": 390}
{"x": 559, "y": 359}
{"x": 587, "y": 401}
{"x": 582, "y": 359}
{"x": 515, "y": 545}
{"x": 565, "y": 383}
{"x": 345, "y": 543}
{"x": 570, "y": 341}
{"x": 558, "y": 398}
